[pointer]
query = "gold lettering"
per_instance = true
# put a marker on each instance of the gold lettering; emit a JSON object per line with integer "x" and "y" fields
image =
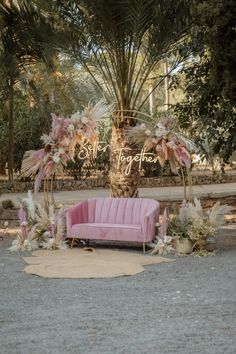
{"x": 84, "y": 152}
{"x": 89, "y": 150}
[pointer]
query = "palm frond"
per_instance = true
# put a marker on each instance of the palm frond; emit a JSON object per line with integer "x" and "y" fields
{"x": 123, "y": 40}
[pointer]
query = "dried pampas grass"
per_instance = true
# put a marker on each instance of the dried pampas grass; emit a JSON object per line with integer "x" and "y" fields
{"x": 24, "y": 245}
{"x": 56, "y": 242}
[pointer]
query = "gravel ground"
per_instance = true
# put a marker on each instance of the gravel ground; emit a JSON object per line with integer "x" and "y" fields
{"x": 188, "y": 306}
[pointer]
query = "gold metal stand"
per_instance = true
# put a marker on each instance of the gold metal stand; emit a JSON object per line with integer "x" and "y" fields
{"x": 72, "y": 243}
{"x": 144, "y": 249}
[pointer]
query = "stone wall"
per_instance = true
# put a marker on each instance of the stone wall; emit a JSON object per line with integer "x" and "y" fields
{"x": 166, "y": 181}
{"x": 93, "y": 183}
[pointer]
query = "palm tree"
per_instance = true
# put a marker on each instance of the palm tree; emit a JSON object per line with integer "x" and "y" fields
{"x": 26, "y": 37}
{"x": 124, "y": 40}
{"x": 119, "y": 43}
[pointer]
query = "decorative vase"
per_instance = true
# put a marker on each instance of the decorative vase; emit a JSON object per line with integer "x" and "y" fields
{"x": 210, "y": 243}
{"x": 183, "y": 245}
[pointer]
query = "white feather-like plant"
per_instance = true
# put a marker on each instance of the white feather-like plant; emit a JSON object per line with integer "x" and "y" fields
{"x": 217, "y": 212}
{"x": 29, "y": 244}
{"x": 194, "y": 212}
{"x": 29, "y": 203}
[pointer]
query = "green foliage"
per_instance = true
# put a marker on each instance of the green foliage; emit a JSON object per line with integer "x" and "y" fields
{"x": 177, "y": 228}
{"x": 7, "y": 204}
{"x": 77, "y": 168}
{"x": 93, "y": 165}
{"x": 209, "y": 111}
{"x": 3, "y": 140}
{"x": 151, "y": 169}
{"x": 27, "y": 35}
{"x": 82, "y": 169}
{"x": 119, "y": 43}
{"x": 30, "y": 124}
{"x": 65, "y": 90}
{"x": 38, "y": 95}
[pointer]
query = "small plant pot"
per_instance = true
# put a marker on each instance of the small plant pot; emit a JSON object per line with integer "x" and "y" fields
{"x": 210, "y": 243}
{"x": 183, "y": 245}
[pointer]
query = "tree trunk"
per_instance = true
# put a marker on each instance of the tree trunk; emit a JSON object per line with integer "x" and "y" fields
{"x": 11, "y": 132}
{"x": 124, "y": 172}
{"x": 167, "y": 90}
{"x": 2, "y": 164}
{"x": 151, "y": 99}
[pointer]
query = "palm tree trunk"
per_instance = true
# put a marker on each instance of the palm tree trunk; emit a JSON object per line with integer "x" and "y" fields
{"x": 11, "y": 131}
{"x": 124, "y": 172}
{"x": 167, "y": 90}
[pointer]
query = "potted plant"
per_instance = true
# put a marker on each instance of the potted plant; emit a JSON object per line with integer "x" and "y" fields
{"x": 178, "y": 230}
{"x": 193, "y": 225}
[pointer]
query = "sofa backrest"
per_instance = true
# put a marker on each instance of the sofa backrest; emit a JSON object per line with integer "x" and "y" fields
{"x": 119, "y": 210}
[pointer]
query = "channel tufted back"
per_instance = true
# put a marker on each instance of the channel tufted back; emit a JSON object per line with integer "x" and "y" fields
{"x": 116, "y": 219}
{"x": 119, "y": 210}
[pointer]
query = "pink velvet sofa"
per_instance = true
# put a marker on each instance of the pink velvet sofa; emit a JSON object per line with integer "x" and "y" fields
{"x": 114, "y": 219}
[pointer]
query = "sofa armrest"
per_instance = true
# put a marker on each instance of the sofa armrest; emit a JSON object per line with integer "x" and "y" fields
{"x": 149, "y": 224}
{"x": 76, "y": 215}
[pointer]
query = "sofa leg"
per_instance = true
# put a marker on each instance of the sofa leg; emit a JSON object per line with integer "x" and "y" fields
{"x": 72, "y": 243}
{"x": 87, "y": 243}
{"x": 144, "y": 249}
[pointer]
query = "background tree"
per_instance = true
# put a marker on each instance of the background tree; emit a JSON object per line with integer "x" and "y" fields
{"x": 209, "y": 110}
{"x": 37, "y": 94}
{"x": 26, "y": 36}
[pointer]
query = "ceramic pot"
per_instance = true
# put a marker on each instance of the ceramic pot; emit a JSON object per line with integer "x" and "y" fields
{"x": 210, "y": 243}
{"x": 183, "y": 245}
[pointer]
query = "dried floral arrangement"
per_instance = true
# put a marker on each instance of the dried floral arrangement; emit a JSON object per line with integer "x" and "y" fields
{"x": 168, "y": 144}
{"x": 59, "y": 145}
{"x": 195, "y": 223}
{"x": 39, "y": 227}
{"x": 162, "y": 244}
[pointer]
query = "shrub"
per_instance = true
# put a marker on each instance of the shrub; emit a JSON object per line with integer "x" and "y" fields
{"x": 7, "y": 204}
